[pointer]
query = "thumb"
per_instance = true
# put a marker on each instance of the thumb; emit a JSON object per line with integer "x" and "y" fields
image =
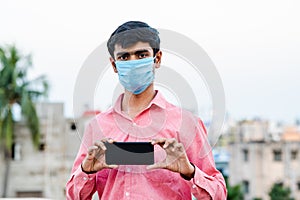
{"x": 159, "y": 165}
{"x": 112, "y": 166}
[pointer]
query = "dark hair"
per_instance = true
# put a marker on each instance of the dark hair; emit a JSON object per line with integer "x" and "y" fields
{"x": 132, "y": 32}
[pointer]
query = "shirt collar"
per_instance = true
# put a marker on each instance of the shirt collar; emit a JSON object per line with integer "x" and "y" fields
{"x": 158, "y": 100}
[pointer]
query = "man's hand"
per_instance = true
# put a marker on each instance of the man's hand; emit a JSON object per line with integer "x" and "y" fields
{"x": 176, "y": 159}
{"x": 95, "y": 159}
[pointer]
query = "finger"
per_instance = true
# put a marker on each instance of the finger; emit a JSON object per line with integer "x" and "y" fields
{"x": 104, "y": 140}
{"x": 97, "y": 143}
{"x": 92, "y": 149}
{"x": 170, "y": 142}
{"x": 109, "y": 140}
{"x": 176, "y": 148}
{"x": 179, "y": 147}
{"x": 91, "y": 152}
{"x": 159, "y": 141}
{"x": 111, "y": 166}
{"x": 159, "y": 165}
{"x": 100, "y": 145}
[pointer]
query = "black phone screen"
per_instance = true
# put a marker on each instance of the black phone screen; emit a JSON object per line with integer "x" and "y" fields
{"x": 129, "y": 153}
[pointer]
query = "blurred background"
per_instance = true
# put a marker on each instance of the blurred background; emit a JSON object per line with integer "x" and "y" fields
{"x": 254, "y": 45}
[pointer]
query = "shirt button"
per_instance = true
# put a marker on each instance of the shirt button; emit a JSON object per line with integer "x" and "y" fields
{"x": 85, "y": 178}
{"x": 126, "y": 194}
{"x": 134, "y": 124}
{"x": 194, "y": 186}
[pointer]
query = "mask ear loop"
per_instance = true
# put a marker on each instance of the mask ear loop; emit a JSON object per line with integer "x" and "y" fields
{"x": 154, "y": 59}
{"x": 155, "y": 64}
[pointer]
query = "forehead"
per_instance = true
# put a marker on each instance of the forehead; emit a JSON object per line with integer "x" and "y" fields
{"x": 137, "y": 46}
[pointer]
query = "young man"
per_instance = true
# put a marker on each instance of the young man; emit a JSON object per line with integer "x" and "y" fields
{"x": 184, "y": 163}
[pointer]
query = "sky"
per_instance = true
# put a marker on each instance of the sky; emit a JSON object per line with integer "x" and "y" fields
{"x": 254, "y": 45}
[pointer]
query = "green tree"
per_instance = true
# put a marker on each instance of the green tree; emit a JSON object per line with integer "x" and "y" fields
{"x": 15, "y": 88}
{"x": 279, "y": 192}
{"x": 234, "y": 192}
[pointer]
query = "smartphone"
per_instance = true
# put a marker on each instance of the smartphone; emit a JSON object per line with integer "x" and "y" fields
{"x": 129, "y": 153}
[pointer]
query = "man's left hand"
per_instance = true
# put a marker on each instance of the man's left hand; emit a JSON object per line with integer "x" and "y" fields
{"x": 176, "y": 159}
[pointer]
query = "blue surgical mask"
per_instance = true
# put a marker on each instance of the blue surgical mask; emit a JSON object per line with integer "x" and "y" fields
{"x": 136, "y": 75}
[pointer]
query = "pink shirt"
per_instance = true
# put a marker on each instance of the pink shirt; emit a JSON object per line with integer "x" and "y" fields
{"x": 159, "y": 120}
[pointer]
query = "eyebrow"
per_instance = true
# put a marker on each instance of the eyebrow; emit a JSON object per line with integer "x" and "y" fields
{"x": 133, "y": 52}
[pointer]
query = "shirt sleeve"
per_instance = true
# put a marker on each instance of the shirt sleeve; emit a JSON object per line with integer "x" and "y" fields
{"x": 80, "y": 184}
{"x": 208, "y": 182}
{"x": 208, "y": 187}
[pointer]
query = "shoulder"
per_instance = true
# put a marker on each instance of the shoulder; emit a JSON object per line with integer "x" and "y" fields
{"x": 97, "y": 125}
{"x": 186, "y": 120}
{"x": 100, "y": 117}
{"x": 182, "y": 113}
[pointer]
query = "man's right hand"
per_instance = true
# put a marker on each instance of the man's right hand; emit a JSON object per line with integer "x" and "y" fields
{"x": 95, "y": 159}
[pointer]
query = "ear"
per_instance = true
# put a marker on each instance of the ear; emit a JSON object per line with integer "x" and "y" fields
{"x": 158, "y": 59}
{"x": 113, "y": 64}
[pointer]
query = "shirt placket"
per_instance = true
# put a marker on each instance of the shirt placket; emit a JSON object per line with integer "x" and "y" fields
{"x": 127, "y": 183}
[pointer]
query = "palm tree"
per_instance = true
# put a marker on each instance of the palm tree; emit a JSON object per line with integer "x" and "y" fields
{"x": 16, "y": 89}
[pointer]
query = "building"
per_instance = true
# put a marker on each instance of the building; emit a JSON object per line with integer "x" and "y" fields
{"x": 43, "y": 172}
{"x": 257, "y": 161}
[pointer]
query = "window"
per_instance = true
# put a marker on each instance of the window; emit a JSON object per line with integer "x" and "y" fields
{"x": 16, "y": 151}
{"x": 277, "y": 155}
{"x": 42, "y": 146}
{"x": 245, "y": 187}
{"x": 29, "y": 194}
{"x": 246, "y": 155}
{"x": 294, "y": 154}
{"x": 73, "y": 126}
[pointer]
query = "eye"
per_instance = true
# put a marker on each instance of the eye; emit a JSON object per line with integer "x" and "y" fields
{"x": 122, "y": 57}
{"x": 143, "y": 55}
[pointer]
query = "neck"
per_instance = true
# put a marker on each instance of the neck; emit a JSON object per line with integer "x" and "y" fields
{"x": 132, "y": 104}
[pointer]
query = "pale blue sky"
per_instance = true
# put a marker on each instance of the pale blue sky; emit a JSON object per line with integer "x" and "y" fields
{"x": 254, "y": 44}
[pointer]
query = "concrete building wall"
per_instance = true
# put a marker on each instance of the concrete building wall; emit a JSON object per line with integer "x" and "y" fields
{"x": 254, "y": 130}
{"x": 44, "y": 172}
{"x": 261, "y": 170}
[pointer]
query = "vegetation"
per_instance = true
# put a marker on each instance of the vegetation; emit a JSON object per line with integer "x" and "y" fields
{"x": 234, "y": 192}
{"x": 16, "y": 89}
{"x": 279, "y": 192}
